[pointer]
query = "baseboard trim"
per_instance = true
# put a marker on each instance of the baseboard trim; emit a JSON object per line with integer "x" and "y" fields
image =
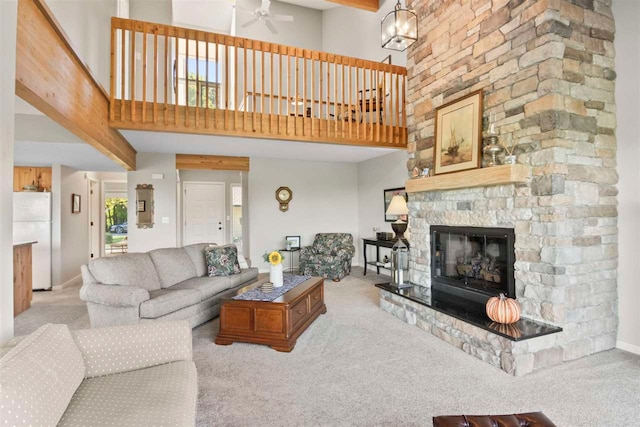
{"x": 628, "y": 347}
{"x": 73, "y": 281}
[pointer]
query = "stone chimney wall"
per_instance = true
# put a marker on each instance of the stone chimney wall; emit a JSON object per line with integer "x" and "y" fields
{"x": 547, "y": 71}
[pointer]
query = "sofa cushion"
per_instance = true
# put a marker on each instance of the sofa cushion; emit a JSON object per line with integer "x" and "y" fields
{"x": 134, "y": 269}
{"x": 165, "y": 301}
{"x": 39, "y": 376}
{"x": 207, "y": 286}
{"x": 163, "y": 395}
{"x": 222, "y": 260}
{"x": 245, "y": 275}
{"x": 173, "y": 265}
{"x": 196, "y": 253}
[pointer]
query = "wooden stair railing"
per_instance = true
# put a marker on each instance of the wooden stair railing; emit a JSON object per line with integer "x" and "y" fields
{"x": 173, "y": 79}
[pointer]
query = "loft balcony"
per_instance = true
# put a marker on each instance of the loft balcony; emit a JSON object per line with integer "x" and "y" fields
{"x": 171, "y": 79}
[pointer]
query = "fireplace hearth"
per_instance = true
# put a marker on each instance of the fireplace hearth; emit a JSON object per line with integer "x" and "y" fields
{"x": 469, "y": 265}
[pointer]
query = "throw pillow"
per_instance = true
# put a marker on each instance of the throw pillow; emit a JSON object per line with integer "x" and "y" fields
{"x": 242, "y": 261}
{"x": 222, "y": 260}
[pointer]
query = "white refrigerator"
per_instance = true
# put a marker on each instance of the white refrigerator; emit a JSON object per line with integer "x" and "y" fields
{"x": 32, "y": 222}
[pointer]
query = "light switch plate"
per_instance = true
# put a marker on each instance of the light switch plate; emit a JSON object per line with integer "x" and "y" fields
{"x": 157, "y": 176}
{"x": 165, "y": 220}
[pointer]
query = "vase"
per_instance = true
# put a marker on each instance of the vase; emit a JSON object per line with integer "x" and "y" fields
{"x": 275, "y": 275}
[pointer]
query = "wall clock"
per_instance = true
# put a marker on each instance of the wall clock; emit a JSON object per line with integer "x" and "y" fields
{"x": 284, "y": 196}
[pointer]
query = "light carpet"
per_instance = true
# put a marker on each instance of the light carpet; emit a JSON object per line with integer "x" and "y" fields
{"x": 357, "y": 365}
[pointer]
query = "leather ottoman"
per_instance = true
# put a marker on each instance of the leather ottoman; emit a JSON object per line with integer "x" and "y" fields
{"x": 530, "y": 419}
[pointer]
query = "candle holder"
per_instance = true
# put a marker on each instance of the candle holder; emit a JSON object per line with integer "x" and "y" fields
{"x": 493, "y": 149}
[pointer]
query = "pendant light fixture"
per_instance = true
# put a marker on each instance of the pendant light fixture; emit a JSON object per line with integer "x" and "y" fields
{"x": 399, "y": 28}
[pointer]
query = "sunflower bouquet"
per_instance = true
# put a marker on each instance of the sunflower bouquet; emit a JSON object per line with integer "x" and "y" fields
{"x": 273, "y": 257}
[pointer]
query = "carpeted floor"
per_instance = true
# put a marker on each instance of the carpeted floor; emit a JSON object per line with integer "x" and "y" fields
{"x": 357, "y": 365}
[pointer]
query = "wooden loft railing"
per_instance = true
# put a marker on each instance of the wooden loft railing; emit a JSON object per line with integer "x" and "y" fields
{"x": 172, "y": 79}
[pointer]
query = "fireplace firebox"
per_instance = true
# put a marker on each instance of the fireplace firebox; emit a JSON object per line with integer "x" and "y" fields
{"x": 471, "y": 264}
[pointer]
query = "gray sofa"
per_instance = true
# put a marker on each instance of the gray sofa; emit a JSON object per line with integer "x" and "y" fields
{"x": 163, "y": 284}
{"x": 133, "y": 375}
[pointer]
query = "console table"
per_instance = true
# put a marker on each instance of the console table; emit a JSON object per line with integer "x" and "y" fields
{"x": 378, "y": 244}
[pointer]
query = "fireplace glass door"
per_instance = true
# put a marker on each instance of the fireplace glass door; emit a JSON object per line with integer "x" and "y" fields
{"x": 477, "y": 259}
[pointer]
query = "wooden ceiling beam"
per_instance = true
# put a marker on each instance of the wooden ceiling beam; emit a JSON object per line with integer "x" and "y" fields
{"x": 204, "y": 162}
{"x": 51, "y": 77}
{"x": 370, "y": 5}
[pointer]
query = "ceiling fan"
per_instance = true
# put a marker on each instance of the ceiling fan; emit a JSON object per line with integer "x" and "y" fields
{"x": 262, "y": 14}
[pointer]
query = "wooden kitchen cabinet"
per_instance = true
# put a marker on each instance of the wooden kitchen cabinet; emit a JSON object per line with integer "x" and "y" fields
{"x": 23, "y": 176}
{"x": 28, "y": 175}
{"x": 44, "y": 179}
{"x": 22, "y": 277}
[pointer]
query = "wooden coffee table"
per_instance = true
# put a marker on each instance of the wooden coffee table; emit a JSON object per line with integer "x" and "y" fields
{"x": 276, "y": 323}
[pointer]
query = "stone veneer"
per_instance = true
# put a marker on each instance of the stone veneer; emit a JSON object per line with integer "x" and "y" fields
{"x": 547, "y": 71}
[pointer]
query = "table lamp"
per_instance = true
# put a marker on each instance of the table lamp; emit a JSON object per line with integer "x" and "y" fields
{"x": 398, "y": 206}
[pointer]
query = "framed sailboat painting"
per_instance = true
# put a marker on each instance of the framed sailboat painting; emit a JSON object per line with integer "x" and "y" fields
{"x": 458, "y": 135}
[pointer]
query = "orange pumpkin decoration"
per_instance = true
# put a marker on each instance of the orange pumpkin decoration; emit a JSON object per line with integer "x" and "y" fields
{"x": 503, "y": 310}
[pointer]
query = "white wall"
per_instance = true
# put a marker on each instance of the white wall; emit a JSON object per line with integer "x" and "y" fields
{"x": 69, "y": 232}
{"x": 74, "y": 242}
{"x": 341, "y": 34}
{"x": 374, "y": 176}
{"x": 88, "y": 26}
{"x": 325, "y": 199}
{"x": 157, "y": 11}
{"x": 8, "y": 20}
{"x": 228, "y": 178}
{"x": 162, "y": 235}
{"x": 305, "y": 31}
{"x": 627, "y": 44}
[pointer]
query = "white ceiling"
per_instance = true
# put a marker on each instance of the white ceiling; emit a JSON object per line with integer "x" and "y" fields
{"x": 38, "y": 127}
{"x": 42, "y": 142}
{"x": 77, "y": 156}
{"x": 160, "y": 142}
{"x": 312, "y": 4}
{"x": 217, "y": 15}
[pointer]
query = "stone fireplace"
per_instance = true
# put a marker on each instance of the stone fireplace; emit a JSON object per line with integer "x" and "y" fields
{"x": 546, "y": 69}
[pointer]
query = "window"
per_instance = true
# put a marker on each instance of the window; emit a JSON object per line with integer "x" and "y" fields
{"x": 203, "y": 82}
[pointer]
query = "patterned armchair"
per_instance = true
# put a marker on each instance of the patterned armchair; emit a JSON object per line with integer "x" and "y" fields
{"x": 329, "y": 256}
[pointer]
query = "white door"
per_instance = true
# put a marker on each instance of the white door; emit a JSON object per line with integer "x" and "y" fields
{"x": 204, "y": 213}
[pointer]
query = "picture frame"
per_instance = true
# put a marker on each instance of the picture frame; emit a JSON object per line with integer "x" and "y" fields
{"x": 295, "y": 240}
{"x": 388, "y": 195}
{"x": 75, "y": 203}
{"x": 458, "y": 135}
{"x": 142, "y": 205}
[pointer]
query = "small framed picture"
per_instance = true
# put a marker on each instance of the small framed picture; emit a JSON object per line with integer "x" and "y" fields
{"x": 75, "y": 203}
{"x": 295, "y": 241}
{"x": 142, "y": 204}
{"x": 388, "y": 195}
{"x": 458, "y": 135}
